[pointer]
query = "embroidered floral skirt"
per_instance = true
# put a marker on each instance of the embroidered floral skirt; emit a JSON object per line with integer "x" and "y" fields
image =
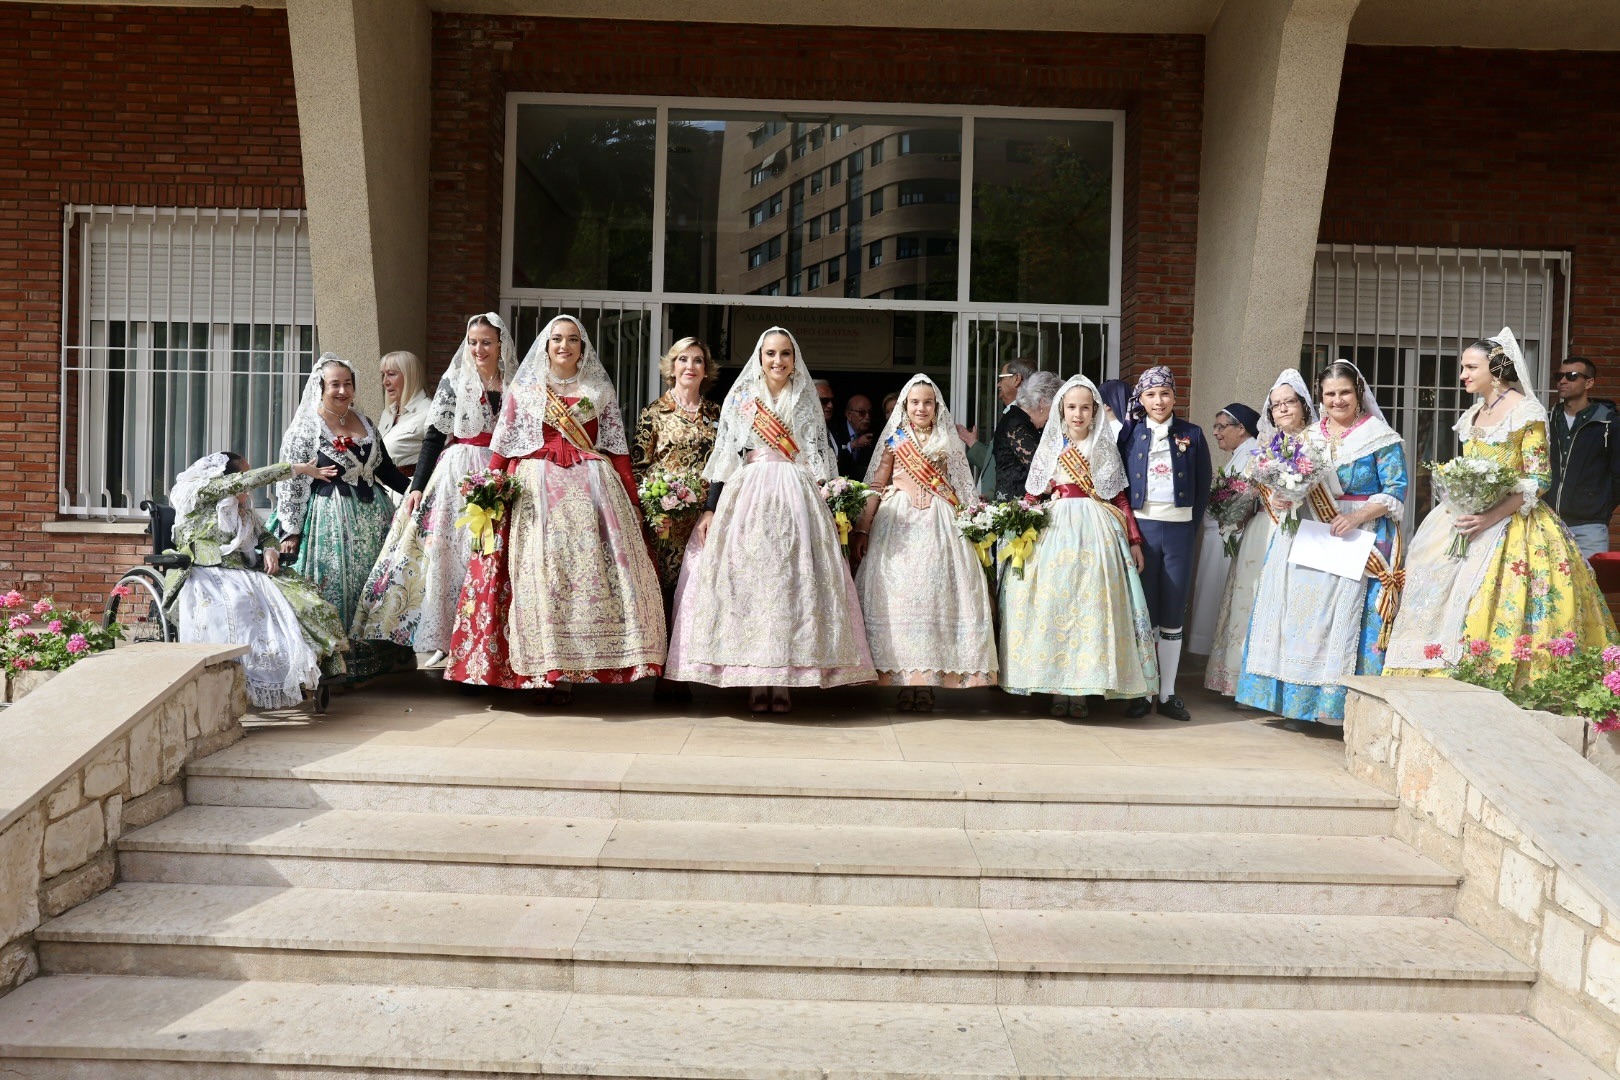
{"x": 1077, "y": 622}
{"x": 769, "y": 600}
{"x": 410, "y": 596}
{"x": 569, "y": 596}
{"x": 288, "y": 629}
{"x": 925, "y": 600}
{"x": 1237, "y": 602}
{"x": 1523, "y": 576}
{"x": 338, "y": 547}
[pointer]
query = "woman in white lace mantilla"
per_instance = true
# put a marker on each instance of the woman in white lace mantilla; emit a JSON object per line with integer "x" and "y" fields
{"x": 923, "y": 593}
{"x": 765, "y": 598}
{"x": 570, "y": 594}
{"x": 1523, "y": 582}
{"x": 1077, "y": 622}
{"x": 332, "y": 529}
{"x": 410, "y": 597}
{"x": 1289, "y": 408}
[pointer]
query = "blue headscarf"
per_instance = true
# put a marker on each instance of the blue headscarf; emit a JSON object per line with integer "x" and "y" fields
{"x": 1245, "y": 416}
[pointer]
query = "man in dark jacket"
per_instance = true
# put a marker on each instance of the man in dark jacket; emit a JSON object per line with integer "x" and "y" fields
{"x": 1010, "y": 446}
{"x": 1585, "y": 457}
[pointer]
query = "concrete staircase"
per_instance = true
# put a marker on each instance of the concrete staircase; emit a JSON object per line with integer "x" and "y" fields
{"x": 324, "y": 910}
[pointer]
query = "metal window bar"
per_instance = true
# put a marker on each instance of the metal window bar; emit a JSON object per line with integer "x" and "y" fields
{"x": 1404, "y": 315}
{"x": 1066, "y": 344}
{"x": 624, "y": 332}
{"x": 185, "y": 331}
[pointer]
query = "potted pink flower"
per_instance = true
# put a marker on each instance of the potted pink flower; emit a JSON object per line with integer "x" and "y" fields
{"x": 37, "y": 640}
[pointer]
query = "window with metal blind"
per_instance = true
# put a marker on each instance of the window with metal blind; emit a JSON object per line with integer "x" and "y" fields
{"x": 185, "y": 331}
{"x": 1404, "y": 315}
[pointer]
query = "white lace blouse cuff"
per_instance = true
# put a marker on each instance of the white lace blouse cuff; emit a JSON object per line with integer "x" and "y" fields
{"x": 1390, "y": 503}
{"x": 1531, "y": 490}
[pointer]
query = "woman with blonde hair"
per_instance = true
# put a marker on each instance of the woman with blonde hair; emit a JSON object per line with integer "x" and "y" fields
{"x": 765, "y": 598}
{"x": 404, "y": 418}
{"x": 410, "y": 596}
{"x": 674, "y": 436}
{"x": 569, "y": 593}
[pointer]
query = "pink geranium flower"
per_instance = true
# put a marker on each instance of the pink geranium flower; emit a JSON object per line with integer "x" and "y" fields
{"x": 1432, "y": 652}
{"x": 1561, "y": 646}
{"x": 19, "y": 620}
{"x": 54, "y": 626}
{"x": 1479, "y": 647}
{"x": 12, "y": 599}
{"x": 1612, "y": 681}
{"x": 1611, "y": 722}
{"x": 1611, "y": 655}
{"x": 43, "y": 607}
{"x": 121, "y": 591}
{"x": 23, "y": 663}
{"x": 77, "y": 644}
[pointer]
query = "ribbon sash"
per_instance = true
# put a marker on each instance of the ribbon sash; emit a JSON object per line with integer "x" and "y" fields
{"x": 559, "y": 416}
{"x": 1390, "y": 572}
{"x": 1079, "y": 469}
{"x": 911, "y": 458}
{"x": 769, "y": 426}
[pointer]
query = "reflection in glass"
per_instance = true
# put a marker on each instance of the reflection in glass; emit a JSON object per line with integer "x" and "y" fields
{"x": 1042, "y": 211}
{"x": 583, "y": 201}
{"x": 731, "y": 174}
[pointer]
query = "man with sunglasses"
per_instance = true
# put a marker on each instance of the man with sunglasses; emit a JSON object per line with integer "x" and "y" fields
{"x": 1585, "y": 457}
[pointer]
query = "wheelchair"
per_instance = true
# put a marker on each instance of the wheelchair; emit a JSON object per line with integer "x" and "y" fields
{"x": 136, "y": 601}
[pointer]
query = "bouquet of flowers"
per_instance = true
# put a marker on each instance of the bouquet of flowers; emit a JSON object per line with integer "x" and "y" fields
{"x": 1232, "y": 502}
{"x": 488, "y": 494}
{"x": 664, "y": 494}
{"x": 1471, "y": 486}
{"x": 977, "y": 523}
{"x": 1290, "y": 465}
{"x": 1019, "y": 523}
{"x": 845, "y": 498}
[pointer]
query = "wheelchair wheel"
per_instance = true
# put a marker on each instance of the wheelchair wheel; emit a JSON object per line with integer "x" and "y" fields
{"x": 140, "y": 611}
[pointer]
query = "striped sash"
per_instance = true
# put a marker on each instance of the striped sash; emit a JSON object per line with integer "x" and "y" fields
{"x": 769, "y": 426}
{"x": 561, "y": 417}
{"x": 911, "y": 458}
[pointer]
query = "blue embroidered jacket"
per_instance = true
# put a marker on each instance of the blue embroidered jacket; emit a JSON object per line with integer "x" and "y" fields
{"x": 1189, "y": 455}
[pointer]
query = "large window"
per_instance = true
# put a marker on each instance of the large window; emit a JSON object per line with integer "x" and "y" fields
{"x": 194, "y": 331}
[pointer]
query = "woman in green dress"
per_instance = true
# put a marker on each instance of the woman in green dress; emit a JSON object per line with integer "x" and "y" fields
{"x": 236, "y": 591}
{"x": 332, "y": 528}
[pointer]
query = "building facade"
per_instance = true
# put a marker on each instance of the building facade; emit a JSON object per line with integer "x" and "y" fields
{"x": 201, "y": 198}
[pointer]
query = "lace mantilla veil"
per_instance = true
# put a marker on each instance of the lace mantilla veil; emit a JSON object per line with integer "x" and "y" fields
{"x": 1291, "y": 378}
{"x": 459, "y": 408}
{"x": 521, "y": 428}
{"x": 243, "y": 528}
{"x": 798, "y": 407}
{"x": 943, "y": 446}
{"x": 1100, "y": 452}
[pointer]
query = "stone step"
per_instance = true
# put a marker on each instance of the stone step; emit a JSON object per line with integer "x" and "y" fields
{"x": 718, "y": 949}
{"x": 120, "y": 1028}
{"x": 533, "y": 783}
{"x": 694, "y": 860}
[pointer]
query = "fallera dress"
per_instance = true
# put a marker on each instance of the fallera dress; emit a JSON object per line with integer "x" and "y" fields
{"x": 1522, "y": 576}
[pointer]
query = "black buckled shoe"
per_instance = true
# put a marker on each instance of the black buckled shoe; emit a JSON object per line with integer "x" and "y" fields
{"x": 1138, "y": 708}
{"x": 1175, "y": 708}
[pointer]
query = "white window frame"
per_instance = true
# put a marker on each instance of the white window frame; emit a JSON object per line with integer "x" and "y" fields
{"x": 86, "y": 487}
{"x": 963, "y": 307}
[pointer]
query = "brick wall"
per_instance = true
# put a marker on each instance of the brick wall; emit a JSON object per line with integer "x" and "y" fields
{"x": 1466, "y": 147}
{"x": 120, "y": 106}
{"x": 1158, "y": 80}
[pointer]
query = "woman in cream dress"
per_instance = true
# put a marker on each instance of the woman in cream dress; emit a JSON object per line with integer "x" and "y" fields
{"x": 923, "y": 593}
{"x": 765, "y": 597}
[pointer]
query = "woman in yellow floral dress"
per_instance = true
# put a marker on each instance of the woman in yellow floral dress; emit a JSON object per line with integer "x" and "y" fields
{"x": 676, "y": 434}
{"x": 1523, "y": 582}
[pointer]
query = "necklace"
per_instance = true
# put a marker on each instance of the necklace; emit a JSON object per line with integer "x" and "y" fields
{"x": 689, "y": 410}
{"x": 1491, "y": 403}
{"x": 559, "y": 380}
{"x": 342, "y": 421}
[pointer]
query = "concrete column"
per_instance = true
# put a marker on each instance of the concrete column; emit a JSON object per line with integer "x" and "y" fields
{"x": 362, "y": 74}
{"x": 1271, "y": 87}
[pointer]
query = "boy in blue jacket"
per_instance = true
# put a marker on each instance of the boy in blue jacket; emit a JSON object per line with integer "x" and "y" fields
{"x": 1167, "y": 465}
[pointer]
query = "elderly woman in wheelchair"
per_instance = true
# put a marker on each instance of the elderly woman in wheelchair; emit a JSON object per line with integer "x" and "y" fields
{"x": 228, "y": 585}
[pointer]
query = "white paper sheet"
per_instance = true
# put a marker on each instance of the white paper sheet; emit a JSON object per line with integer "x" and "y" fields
{"x": 1315, "y": 546}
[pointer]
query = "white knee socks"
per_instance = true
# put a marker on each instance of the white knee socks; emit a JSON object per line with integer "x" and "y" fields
{"x": 1169, "y": 661}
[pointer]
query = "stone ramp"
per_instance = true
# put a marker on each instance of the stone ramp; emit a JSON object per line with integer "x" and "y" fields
{"x": 125, "y": 1027}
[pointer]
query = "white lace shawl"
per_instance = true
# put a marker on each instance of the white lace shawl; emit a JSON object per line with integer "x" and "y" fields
{"x": 798, "y": 407}
{"x": 459, "y": 408}
{"x": 1099, "y": 450}
{"x": 1291, "y": 378}
{"x": 243, "y": 529}
{"x": 943, "y": 446}
{"x": 1528, "y": 411}
{"x": 521, "y": 429}
{"x": 308, "y": 436}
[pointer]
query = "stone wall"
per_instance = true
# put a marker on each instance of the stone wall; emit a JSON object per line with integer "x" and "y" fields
{"x": 97, "y": 751}
{"x": 1531, "y": 826}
